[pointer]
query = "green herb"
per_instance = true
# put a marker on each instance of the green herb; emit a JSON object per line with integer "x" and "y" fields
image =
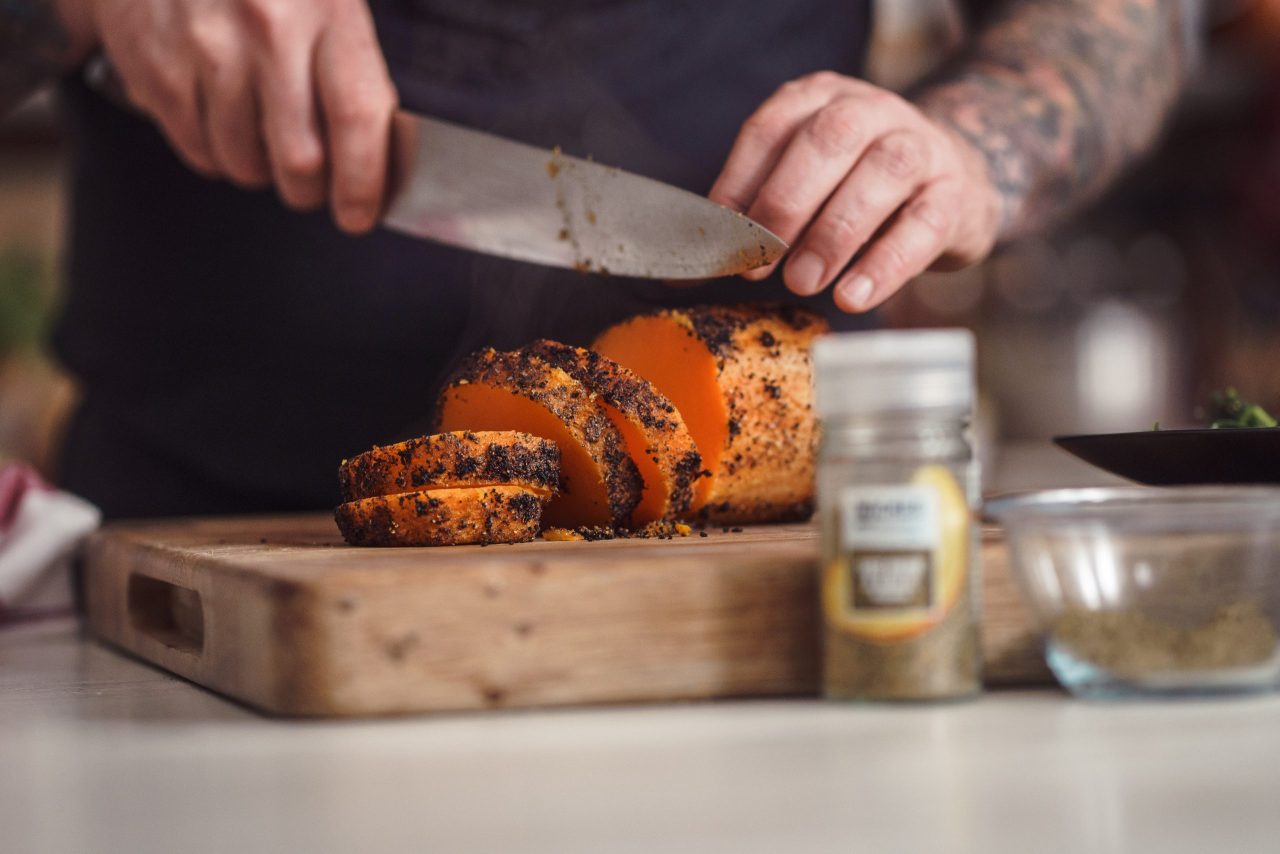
{"x": 24, "y": 304}
{"x": 1228, "y": 409}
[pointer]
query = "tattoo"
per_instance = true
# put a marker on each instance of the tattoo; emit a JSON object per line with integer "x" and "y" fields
{"x": 33, "y": 48}
{"x": 1059, "y": 95}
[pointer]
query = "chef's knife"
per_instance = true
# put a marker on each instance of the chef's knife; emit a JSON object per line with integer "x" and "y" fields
{"x": 481, "y": 192}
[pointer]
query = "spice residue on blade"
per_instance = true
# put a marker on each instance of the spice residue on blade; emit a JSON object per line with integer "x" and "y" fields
{"x": 557, "y": 169}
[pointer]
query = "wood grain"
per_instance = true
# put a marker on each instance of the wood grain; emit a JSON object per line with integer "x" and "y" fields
{"x": 277, "y": 612}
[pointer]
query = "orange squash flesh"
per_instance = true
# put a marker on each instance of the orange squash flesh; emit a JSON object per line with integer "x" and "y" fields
{"x": 669, "y": 355}
{"x": 742, "y": 379}
{"x": 654, "y": 433}
{"x": 599, "y": 484}
{"x": 442, "y": 517}
{"x": 655, "y": 498}
{"x": 446, "y": 460}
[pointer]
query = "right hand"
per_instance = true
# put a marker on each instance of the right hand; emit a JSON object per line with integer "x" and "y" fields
{"x": 290, "y": 93}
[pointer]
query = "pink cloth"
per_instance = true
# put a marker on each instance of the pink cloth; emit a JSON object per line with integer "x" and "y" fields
{"x": 15, "y": 480}
{"x": 40, "y": 530}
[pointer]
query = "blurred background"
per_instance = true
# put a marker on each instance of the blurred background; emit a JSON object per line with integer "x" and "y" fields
{"x": 1130, "y": 314}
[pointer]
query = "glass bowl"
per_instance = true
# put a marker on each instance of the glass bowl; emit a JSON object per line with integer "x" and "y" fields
{"x": 1144, "y": 591}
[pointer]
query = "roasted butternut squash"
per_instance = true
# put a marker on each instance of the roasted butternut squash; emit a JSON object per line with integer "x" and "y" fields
{"x": 442, "y": 517}
{"x": 491, "y": 390}
{"x": 460, "y": 459}
{"x": 654, "y": 433}
{"x": 742, "y": 379}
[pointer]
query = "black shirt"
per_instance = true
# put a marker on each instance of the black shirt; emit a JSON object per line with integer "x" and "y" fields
{"x": 231, "y": 351}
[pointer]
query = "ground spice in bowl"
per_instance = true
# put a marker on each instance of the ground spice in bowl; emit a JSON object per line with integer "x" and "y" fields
{"x": 1133, "y": 644}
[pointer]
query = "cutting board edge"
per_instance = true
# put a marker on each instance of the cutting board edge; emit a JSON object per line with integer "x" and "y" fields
{"x": 311, "y": 656}
{"x": 142, "y": 598}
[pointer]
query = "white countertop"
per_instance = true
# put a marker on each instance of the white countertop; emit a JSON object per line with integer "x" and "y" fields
{"x": 101, "y": 753}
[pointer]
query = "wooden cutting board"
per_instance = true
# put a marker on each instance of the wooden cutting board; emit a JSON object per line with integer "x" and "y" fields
{"x": 278, "y": 613}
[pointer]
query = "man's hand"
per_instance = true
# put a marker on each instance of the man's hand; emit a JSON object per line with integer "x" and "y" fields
{"x": 290, "y": 93}
{"x": 855, "y": 173}
{"x": 1048, "y": 103}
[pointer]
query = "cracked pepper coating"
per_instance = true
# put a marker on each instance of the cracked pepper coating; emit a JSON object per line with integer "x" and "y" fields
{"x": 460, "y": 459}
{"x": 742, "y": 378}
{"x": 492, "y": 390}
{"x": 655, "y": 434}
{"x": 442, "y": 517}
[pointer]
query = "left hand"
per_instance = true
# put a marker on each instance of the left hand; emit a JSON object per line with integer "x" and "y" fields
{"x": 849, "y": 169}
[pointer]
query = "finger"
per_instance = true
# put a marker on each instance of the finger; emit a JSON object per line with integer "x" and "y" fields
{"x": 290, "y": 122}
{"x": 819, "y": 156}
{"x": 919, "y": 234}
{"x": 358, "y": 101}
{"x": 764, "y": 136}
{"x": 231, "y": 119}
{"x": 170, "y": 94}
{"x": 890, "y": 171}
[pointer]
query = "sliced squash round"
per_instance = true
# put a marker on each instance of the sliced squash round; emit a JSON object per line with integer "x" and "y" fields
{"x": 442, "y": 517}
{"x": 492, "y": 390}
{"x": 655, "y": 435}
{"x": 460, "y": 459}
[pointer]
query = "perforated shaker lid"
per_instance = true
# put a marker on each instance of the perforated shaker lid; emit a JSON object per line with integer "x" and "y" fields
{"x": 861, "y": 373}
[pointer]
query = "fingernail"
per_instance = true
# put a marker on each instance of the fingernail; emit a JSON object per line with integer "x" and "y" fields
{"x": 858, "y": 292}
{"x": 759, "y": 274}
{"x": 804, "y": 273}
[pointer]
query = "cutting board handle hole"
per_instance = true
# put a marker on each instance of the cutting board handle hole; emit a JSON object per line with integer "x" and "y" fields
{"x": 171, "y": 614}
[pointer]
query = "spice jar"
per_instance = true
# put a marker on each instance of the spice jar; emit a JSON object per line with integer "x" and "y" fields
{"x": 897, "y": 483}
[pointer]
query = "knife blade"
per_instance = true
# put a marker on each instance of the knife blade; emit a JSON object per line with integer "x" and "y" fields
{"x": 477, "y": 191}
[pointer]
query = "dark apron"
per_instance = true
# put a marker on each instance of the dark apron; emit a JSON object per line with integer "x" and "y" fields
{"x": 231, "y": 352}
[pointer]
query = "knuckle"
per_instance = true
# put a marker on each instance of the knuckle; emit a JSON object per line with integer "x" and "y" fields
{"x": 212, "y": 42}
{"x": 881, "y": 98}
{"x": 301, "y": 163}
{"x": 835, "y": 129}
{"x": 269, "y": 19}
{"x": 840, "y": 228}
{"x": 931, "y": 215}
{"x": 728, "y": 194}
{"x": 793, "y": 88}
{"x": 763, "y": 123}
{"x": 820, "y": 80}
{"x": 895, "y": 260}
{"x": 901, "y": 155}
{"x": 359, "y": 111}
{"x": 775, "y": 208}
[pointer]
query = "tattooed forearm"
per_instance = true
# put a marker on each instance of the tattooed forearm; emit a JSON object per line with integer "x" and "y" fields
{"x": 1059, "y": 95}
{"x": 34, "y": 48}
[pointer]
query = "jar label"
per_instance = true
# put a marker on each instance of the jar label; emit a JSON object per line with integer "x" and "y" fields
{"x": 902, "y": 555}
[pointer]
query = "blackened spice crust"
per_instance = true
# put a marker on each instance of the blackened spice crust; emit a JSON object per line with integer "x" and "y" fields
{"x": 458, "y": 459}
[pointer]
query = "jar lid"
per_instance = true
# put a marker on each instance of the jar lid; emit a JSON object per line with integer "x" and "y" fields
{"x": 861, "y": 373}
